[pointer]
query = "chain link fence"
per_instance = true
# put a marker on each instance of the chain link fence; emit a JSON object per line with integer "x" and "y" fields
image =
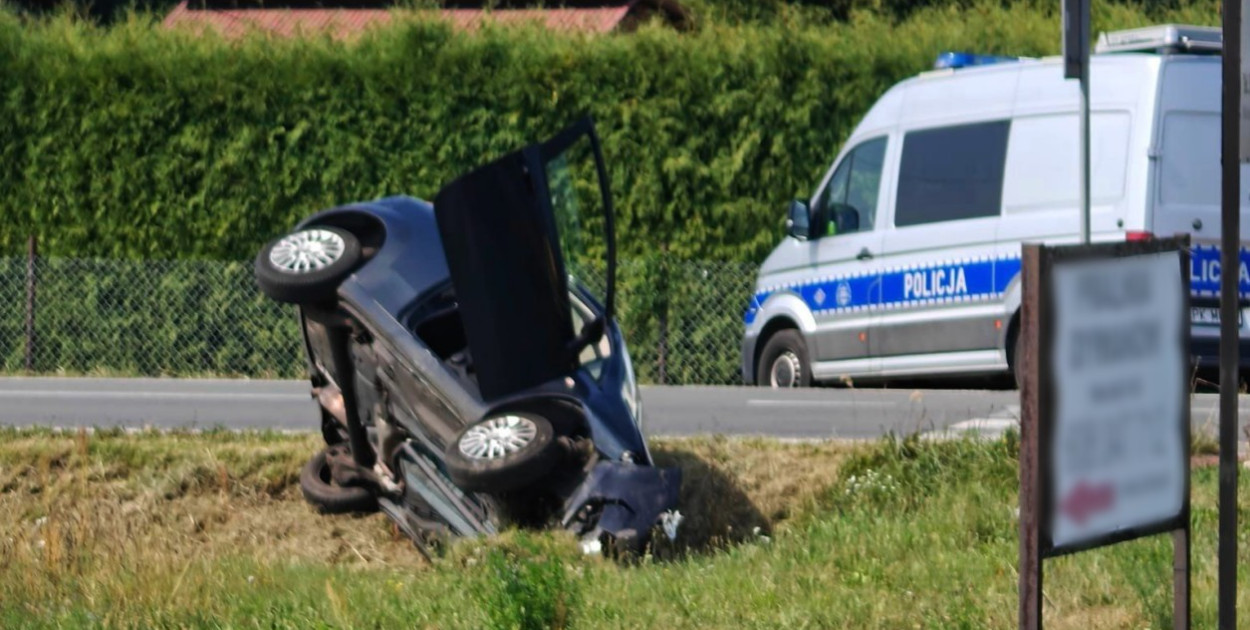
{"x": 683, "y": 320}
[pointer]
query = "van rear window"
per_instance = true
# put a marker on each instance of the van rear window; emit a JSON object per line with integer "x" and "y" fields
{"x": 1191, "y": 159}
{"x": 951, "y": 173}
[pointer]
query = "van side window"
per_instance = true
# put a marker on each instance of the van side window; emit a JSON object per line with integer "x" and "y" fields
{"x": 856, "y": 183}
{"x": 951, "y": 173}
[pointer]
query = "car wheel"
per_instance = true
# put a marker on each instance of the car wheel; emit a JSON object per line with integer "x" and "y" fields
{"x": 317, "y": 484}
{"x": 307, "y": 266}
{"x": 502, "y": 452}
{"x": 784, "y": 362}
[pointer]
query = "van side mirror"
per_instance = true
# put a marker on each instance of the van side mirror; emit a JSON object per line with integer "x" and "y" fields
{"x": 845, "y": 217}
{"x": 798, "y": 222}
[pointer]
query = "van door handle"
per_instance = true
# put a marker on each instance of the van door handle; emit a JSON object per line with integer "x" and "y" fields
{"x": 864, "y": 254}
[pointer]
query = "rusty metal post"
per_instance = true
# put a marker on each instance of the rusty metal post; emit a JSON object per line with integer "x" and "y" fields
{"x": 1030, "y": 569}
{"x": 32, "y": 253}
{"x": 1231, "y": 153}
{"x": 1180, "y": 537}
{"x": 1180, "y": 579}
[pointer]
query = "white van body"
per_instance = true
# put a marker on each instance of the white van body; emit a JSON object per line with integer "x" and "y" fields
{"x": 956, "y": 170}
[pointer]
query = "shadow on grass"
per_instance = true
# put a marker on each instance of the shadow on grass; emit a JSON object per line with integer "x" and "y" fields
{"x": 717, "y": 512}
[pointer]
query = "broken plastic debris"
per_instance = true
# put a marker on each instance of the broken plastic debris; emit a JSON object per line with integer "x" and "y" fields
{"x": 760, "y": 535}
{"x": 670, "y": 520}
{"x": 591, "y": 547}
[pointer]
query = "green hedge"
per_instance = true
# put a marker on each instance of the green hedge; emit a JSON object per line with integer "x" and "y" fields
{"x": 135, "y": 142}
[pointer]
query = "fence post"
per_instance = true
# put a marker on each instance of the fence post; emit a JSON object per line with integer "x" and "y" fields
{"x": 662, "y": 355}
{"x": 32, "y": 253}
{"x": 663, "y": 288}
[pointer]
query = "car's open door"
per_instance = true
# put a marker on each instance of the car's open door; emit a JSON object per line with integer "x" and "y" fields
{"x": 509, "y": 232}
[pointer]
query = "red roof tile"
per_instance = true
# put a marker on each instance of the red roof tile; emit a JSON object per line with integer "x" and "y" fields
{"x": 598, "y": 19}
{"x": 344, "y": 22}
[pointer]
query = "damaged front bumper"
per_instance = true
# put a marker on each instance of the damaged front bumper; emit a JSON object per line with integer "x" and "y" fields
{"x": 618, "y": 505}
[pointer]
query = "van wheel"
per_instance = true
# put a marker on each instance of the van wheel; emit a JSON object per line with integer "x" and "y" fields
{"x": 1013, "y": 359}
{"x": 784, "y": 362}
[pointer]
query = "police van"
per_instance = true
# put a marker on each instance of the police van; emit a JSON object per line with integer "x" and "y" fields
{"x": 906, "y": 259}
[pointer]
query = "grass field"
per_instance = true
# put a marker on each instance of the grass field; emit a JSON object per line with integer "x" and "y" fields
{"x": 208, "y": 530}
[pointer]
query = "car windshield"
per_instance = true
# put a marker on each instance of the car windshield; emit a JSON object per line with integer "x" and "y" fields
{"x": 578, "y": 207}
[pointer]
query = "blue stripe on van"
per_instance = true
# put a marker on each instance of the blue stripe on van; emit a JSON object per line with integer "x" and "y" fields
{"x": 958, "y": 281}
{"x": 963, "y": 281}
{"x": 940, "y": 283}
{"x": 1005, "y": 271}
{"x": 1204, "y": 271}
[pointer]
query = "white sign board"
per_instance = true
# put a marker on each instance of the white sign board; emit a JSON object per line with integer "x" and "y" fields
{"x": 1117, "y": 442}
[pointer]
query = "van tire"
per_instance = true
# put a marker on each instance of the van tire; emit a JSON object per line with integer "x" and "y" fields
{"x": 1016, "y": 348}
{"x": 784, "y": 363}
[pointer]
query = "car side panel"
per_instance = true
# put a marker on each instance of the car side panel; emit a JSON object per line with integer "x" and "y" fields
{"x": 416, "y": 380}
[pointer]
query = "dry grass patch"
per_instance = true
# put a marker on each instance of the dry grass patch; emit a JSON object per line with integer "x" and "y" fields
{"x": 173, "y": 530}
{"x": 157, "y": 501}
{"x": 736, "y": 489}
{"x": 139, "y": 529}
{"x": 161, "y": 500}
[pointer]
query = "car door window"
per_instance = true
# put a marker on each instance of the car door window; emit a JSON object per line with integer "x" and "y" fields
{"x": 856, "y": 183}
{"x": 865, "y": 181}
{"x": 835, "y": 192}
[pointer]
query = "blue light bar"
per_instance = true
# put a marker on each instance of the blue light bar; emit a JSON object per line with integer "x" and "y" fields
{"x": 963, "y": 60}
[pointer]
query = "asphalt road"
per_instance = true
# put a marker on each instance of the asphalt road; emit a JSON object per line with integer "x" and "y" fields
{"x": 286, "y": 405}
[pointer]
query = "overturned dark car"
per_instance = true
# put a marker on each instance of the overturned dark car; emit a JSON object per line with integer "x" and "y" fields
{"x": 467, "y": 378}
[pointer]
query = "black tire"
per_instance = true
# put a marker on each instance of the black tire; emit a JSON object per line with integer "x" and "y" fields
{"x": 786, "y": 344}
{"x": 509, "y": 472}
{"x": 328, "y": 497}
{"x": 1016, "y": 348}
{"x": 307, "y": 286}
